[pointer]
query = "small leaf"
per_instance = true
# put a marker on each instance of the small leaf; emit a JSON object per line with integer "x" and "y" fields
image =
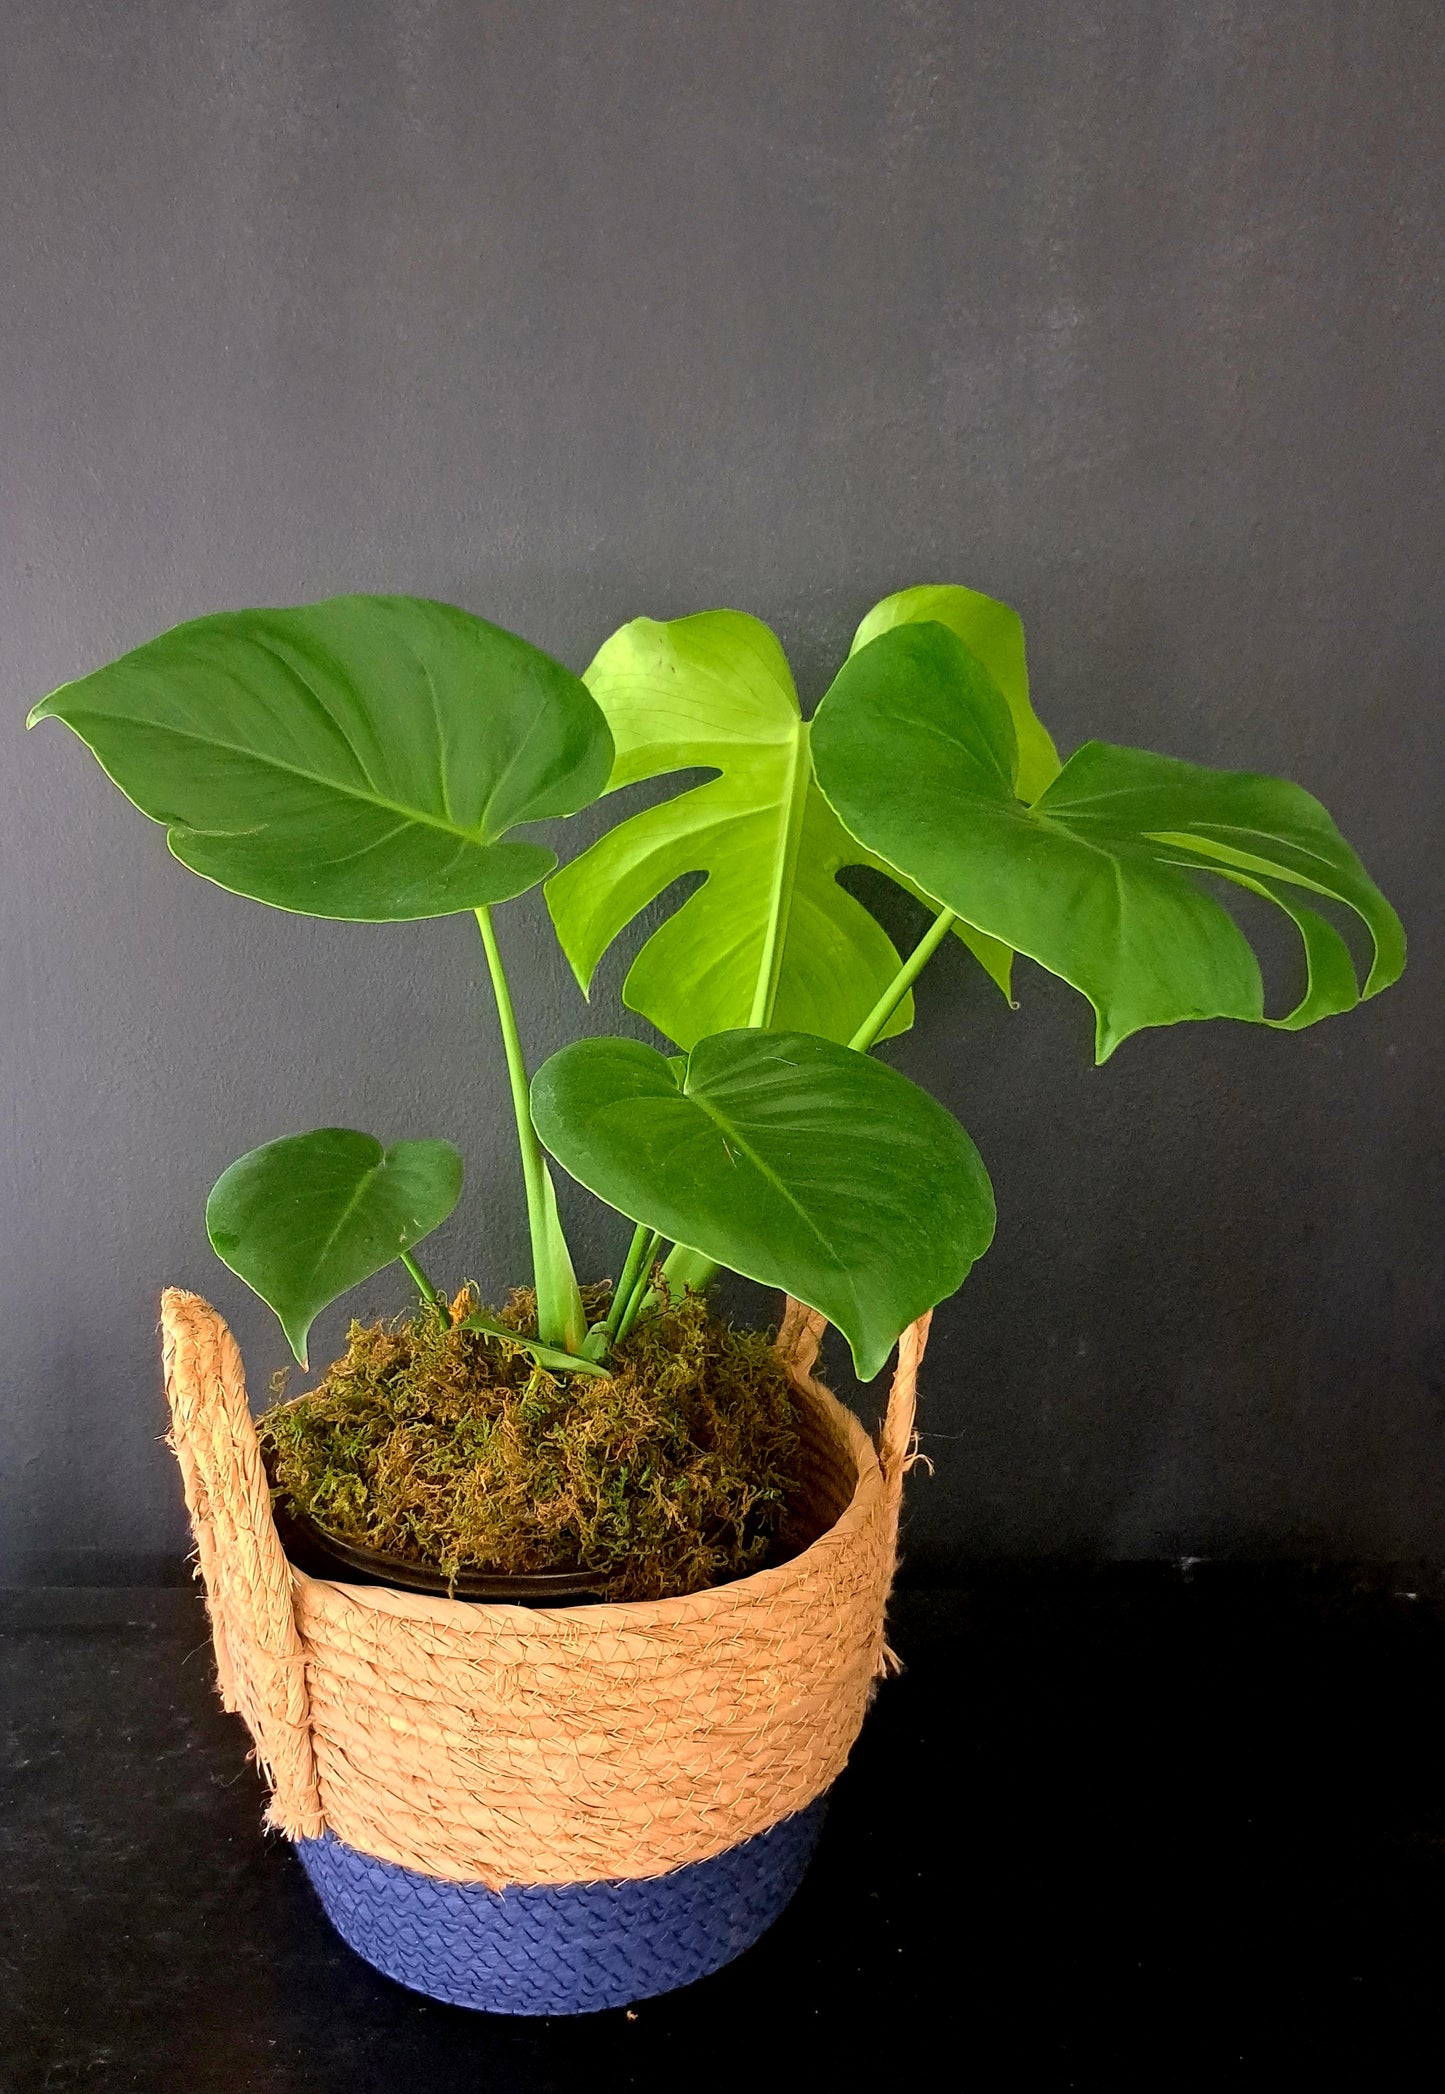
{"x": 305, "y": 1218}
{"x": 1098, "y": 880}
{"x": 545, "y": 1355}
{"x": 555, "y": 1277}
{"x": 362, "y": 758}
{"x": 785, "y": 1157}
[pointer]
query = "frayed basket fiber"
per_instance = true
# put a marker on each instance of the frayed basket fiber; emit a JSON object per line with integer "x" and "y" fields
{"x": 537, "y": 1810}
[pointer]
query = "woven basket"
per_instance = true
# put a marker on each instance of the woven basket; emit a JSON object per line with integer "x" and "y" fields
{"x": 546, "y": 1810}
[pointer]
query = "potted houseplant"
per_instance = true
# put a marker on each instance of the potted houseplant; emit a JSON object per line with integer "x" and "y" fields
{"x": 544, "y": 1807}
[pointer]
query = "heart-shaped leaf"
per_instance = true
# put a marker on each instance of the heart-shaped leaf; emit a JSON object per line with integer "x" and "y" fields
{"x": 304, "y": 1218}
{"x": 363, "y": 757}
{"x": 1098, "y": 880}
{"x": 770, "y": 937}
{"x": 993, "y": 632}
{"x": 785, "y": 1157}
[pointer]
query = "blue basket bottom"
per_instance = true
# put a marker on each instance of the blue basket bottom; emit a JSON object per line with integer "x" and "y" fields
{"x": 560, "y": 1948}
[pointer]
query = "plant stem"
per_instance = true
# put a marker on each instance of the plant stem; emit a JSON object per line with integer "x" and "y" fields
{"x": 431, "y": 1295}
{"x": 632, "y": 1265}
{"x": 559, "y": 1308}
{"x": 516, "y": 1075}
{"x": 640, "y": 1286}
{"x": 428, "y": 1291}
{"x": 682, "y": 1268}
{"x": 685, "y": 1267}
{"x": 903, "y": 980}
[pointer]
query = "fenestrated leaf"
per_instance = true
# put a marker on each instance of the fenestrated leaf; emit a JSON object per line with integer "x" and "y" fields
{"x": 770, "y": 936}
{"x": 306, "y": 1217}
{"x": 785, "y": 1157}
{"x": 1098, "y": 880}
{"x": 364, "y": 757}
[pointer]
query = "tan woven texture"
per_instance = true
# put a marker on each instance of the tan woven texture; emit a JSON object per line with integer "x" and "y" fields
{"x": 502, "y": 1744}
{"x": 260, "y": 1665}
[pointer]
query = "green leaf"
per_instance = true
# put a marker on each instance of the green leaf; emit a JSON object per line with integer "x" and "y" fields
{"x": 1099, "y": 880}
{"x": 788, "y": 1158}
{"x": 995, "y": 634}
{"x": 559, "y": 1298}
{"x": 304, "y": 1218}
{"x": 770, "y": 937}
{"x": 548, "y": 1356}
{"x": 362, "y": 758}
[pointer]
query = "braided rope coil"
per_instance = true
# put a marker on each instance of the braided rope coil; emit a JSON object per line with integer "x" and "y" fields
{"x": 561, "y": 1949}
{"x": 503, "y": 1745}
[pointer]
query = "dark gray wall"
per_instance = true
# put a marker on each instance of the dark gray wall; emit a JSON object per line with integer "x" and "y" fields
{"x": 1126, "y": 313}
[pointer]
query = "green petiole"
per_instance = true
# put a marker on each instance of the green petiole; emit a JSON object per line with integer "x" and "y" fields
{"x": 560, "y": 1319}
{"x": 641, "y": 1285}
{"x": 632, "y": 1265}
{"x": 903, "y": 980}
{"x": 430, "y": 1294}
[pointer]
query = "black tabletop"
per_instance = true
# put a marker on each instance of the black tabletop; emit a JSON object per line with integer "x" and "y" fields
{"x": 1157, "y": 1827}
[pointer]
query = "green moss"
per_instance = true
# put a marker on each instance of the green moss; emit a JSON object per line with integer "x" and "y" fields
{"x": 459, "y": 1451}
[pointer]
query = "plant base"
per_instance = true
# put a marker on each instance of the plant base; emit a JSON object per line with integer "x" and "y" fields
{"x": 439, "y": 1452}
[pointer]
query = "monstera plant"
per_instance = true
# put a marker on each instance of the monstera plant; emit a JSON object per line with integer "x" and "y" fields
{"x": 384, "y": 758}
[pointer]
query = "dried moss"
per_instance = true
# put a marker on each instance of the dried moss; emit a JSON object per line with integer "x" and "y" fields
{"x": 458, "y": 1451}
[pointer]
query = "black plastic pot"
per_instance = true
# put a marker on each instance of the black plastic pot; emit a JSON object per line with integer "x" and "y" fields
{"x": 319, "y": 1554}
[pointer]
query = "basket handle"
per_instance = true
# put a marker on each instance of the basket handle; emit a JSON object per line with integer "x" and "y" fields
{"x": 260, "y": 1663}
{"x": 800, "y": 1336}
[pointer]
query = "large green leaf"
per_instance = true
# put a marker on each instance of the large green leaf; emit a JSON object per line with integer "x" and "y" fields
{"x": 993, "y": 632}
{"x": 363, "y": 757}
{"x": 770, "y": 937}
{"x": 304, "y": 1218}
{"x": 785, "y": 1157}
{"x": 1098, "y": 880}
